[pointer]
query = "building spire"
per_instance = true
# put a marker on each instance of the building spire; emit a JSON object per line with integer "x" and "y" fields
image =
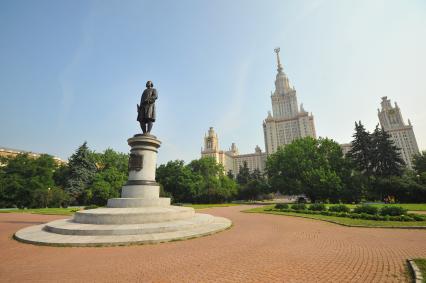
{"x": 280, "y": 67}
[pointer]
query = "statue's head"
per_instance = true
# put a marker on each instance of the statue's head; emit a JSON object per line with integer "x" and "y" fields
{"x": 149, "y": 84}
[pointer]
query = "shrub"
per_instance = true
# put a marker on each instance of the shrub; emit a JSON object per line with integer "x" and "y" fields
{"x": 281, "y": 206}
{"x": 342, "y": 214}
{"x": 368, "y": 209}
{"x": 417, "y": 217}
{"x": 339, "y": 208}
{"x": 298, "y": 206}
{"x": 392, "y": 210}
{"x": 317, "y": 207}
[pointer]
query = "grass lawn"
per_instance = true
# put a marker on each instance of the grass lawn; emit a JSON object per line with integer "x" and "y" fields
{"x": 71, "y": 210}
{"x": 50, "y": 211}
{"x": 340, "y": 220}
{"x": 202, "y": 206}
{"x": 408, "y": 206}
{"x": 421, "y": 264}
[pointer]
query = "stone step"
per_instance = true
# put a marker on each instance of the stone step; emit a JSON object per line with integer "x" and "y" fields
{"x": 68, "y": 227}
{"x": 37, "y": 235}
{"x": 137, "y": 215}
{"x": 137, "y": 202}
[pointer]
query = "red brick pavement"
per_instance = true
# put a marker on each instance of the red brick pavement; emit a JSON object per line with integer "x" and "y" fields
{"x": 258, "y": 248}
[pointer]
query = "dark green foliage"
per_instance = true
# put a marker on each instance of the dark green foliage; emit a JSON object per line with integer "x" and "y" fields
{"x": 339, "y": 208}
{"x": 243, "y": 176}
{"x": 366, "y": 216}
{"x": 201, "y": 181}
{"x": 281, "y": 206}
{"x": 407, "y": 188}
{"x": 392, "y": 210}
{"x": 419, "y": 162}
{"x": 386, "y": 159}
{"x": 215, "y": 187}
{"x": 317, "y": 207}
{"x": 178, "y": 180}
{"x": 82, "y": 169}
{"x": 230, "y": 175}
{"x": 111, "y": 175}
{"x": 254, "y": 187}
{"x": 298, "y": 206}
{"x": 361, "y": 152}
{"x": 368, "y": 209}
{"x": 28, "y": 182}
{"x": 92, "y": 206}
{"x": 308, "y": 166}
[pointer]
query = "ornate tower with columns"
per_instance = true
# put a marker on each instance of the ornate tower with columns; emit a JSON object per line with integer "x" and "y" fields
{"x": 402, "y": 134}
{"x": 287, "y": 121}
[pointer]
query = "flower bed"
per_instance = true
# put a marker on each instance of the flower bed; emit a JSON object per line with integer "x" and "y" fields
{"x": 360, "y": 212}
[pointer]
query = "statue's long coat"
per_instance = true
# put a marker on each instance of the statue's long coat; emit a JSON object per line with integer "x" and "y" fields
{"x": 146, "y": 111}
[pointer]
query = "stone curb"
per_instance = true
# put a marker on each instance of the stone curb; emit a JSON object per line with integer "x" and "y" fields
{"x": 418, "y": 277}
{"x": 342, "y": 224}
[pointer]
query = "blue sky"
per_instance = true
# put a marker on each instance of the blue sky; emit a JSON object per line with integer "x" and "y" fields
{"x": 73, "y": 71}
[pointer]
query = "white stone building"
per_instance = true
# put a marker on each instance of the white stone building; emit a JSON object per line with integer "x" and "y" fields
{"x": 287, "y": 121}
{"x": 231, "y": 159}
{"x": 402, "y": 134}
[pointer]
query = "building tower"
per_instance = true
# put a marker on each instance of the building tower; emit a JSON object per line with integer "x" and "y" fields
{"x": 211, "y": 145}
{"x": 403, "y": 135}
{"x": 287, "y": 121}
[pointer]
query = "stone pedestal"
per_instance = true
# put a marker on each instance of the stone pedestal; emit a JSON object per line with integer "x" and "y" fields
{"x": 139, "y": 216}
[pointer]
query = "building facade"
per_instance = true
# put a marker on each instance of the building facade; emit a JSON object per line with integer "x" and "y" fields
{"x": 402, "y": 134}
{"x": 287, "y": 121}
{"x": 231, "y": 159}
{"x": 11, "y": 153}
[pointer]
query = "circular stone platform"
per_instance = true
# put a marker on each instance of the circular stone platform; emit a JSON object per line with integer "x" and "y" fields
{"x": 140, "y": 216}
{"x": 67, "y": 232}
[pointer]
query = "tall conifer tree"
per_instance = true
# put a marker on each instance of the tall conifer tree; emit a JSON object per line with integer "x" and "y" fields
{"x": 387, "y": 159}
{"x": 82, "y": 169}
{"x": 361, "y": 152}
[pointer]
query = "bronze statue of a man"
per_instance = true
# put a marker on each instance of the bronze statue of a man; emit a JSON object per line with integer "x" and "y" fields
{"x": 146, "y": 110}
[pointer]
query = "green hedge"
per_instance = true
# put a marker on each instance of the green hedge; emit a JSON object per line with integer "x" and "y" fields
{"x": 367, "y": 209}
{"x": 317, "y": 207}
{"x": 393, "y": 210}
{"x": 298, "y": 206}
{"x": 366, "y": 216}
{"x": 339, "y": 208}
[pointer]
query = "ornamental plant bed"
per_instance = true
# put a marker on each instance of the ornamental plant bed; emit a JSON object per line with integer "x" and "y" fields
{"x": 363, "y": 215}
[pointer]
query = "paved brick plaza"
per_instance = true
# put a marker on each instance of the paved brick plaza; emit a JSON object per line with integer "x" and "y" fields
{"x": 258, "y": 248}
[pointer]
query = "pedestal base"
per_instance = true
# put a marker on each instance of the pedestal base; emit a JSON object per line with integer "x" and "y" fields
{"x": 74, "y": 235}
{"x": 139, "y": 217}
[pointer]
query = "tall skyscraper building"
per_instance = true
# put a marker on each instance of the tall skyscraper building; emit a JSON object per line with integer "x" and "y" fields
{"x": 402, "y": 134}
{"x": 287, "y": 121}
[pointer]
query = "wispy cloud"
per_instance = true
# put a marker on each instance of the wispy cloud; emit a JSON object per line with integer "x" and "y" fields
{"x": 231, "y": 119}
{"x": 67, "y": 76}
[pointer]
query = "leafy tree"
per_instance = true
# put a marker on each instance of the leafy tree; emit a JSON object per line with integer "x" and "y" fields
{"x": 82, "y": 169}
{"x": 216, "y": 187}
{"x": 243, "y": 176}
{"x": 206, "y": 166}
{"x": 386, "y": 159}
{"x": 361, "y": 151}
{"x": 178, "y": 180}
{"x": 111, "y": 175}
{"x": 27, "y": 182}
{"x": 230, "y": 174}
{"x": 308, "y": 166}
{"x": 419, "y": 161}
